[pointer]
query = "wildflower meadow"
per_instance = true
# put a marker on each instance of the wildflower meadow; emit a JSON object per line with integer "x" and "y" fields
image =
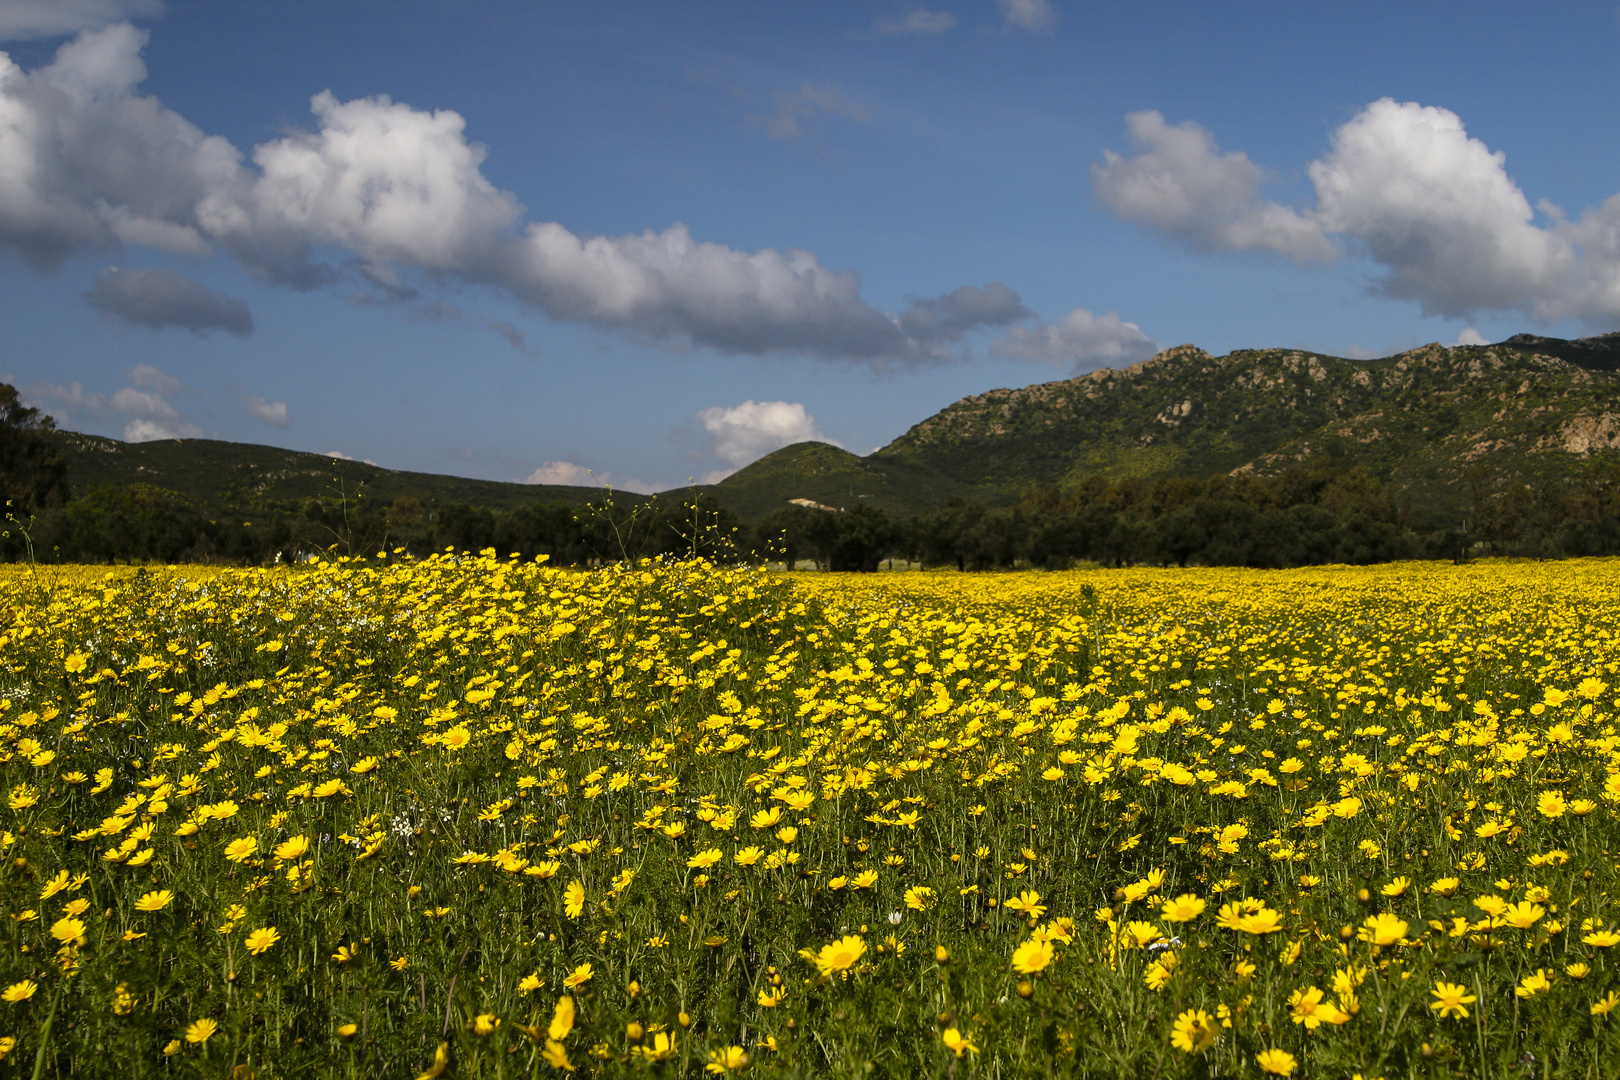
{"x": 480, "y": 817}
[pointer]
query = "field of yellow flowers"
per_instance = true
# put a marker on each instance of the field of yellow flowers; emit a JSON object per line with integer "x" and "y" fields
{"x": 476, "y": 817}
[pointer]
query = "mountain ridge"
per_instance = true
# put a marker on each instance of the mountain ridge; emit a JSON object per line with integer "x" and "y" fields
{"x": 1421, "y": 420}
{"x": 1433, "y": 423}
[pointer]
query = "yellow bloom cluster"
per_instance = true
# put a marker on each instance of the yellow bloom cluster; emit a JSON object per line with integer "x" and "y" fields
{"x": 462, "y": 809}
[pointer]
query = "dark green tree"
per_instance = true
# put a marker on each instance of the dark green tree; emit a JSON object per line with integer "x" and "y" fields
{"x": 861, "y": 539}
{"x": 131, "y": 523}
{"x": 33, "y": 473}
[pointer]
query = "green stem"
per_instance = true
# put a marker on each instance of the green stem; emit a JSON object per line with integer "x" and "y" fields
{"x": 45, "y": 1032}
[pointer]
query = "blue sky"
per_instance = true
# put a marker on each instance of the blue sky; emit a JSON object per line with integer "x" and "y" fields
{"x": 656, "y": 241}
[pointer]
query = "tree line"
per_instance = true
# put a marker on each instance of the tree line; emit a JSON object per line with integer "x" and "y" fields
{"x": 145, "y": 523}
{"x": 1301, "y": 516}
{"x": 1297, "y": 518}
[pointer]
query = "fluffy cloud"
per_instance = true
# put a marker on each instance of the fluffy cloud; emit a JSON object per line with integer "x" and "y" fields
{"x": 148, "y": 414}
{"x": 670, "y": 288}
{"x": 141, "y": 430}
{"x": 1597, "y": 234}
{"x": 388, "y": 182}
{"x": 795, "y": 109}
{"x": 273, "y": 413}
{"x": 1437, "y": 210}
{"x": 1081, "y": 339}
{"x": 1181, "y": 184}
{"x": 1029, "y": 14}
{"x": 20, "y": 19}
{"x": 747, "y": 432}
{"x": 918, "y": 20}
{"x": 1470, "y": 336}
{"x": 562, "y": 472}
{"x": 571, "y": 475}
{"x": 163, "y": 298}
{"x": 86, "y": 161}
{"x": 1404, "y": 183}
{"x": 143, "y": 406}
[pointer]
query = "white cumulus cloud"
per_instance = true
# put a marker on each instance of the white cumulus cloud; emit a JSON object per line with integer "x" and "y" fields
{"x": 569, "y": 474}
{"x": 1081, "y": 339}
{"x": 672, "y": 288}
{"x": 85, "y": 162}
{"x": 562, "y": 472}
{"x": 88, "y": 161}
{"x": 381, "y": 179}
{"x": 149, "y": 414}
{"x": 745, "y": 433}
{"x": 143, "y": 406}
{"x": 1181, "y": 184}
{"x": 1404, "y": 183}
{"x": 1438, "y": 210}
{"x": 144, "y": 430}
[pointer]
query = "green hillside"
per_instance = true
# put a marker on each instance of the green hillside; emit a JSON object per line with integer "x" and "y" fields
{"x": 830, "y": 476}
{"x": 1429, "y": 422}
{"x": 213, "y": 473}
